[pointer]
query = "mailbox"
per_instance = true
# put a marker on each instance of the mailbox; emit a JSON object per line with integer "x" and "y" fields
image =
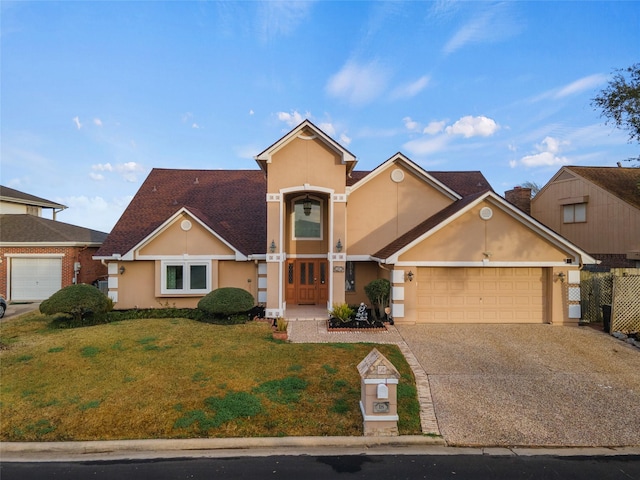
{"x": 379, "y": 397}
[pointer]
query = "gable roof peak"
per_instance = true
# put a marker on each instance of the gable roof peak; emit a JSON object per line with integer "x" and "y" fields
{"x": 308, "y": 131}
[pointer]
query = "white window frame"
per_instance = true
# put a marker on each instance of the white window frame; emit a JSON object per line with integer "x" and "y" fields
{"x": 574, "y": 213}
{"x": 186, "y": 270}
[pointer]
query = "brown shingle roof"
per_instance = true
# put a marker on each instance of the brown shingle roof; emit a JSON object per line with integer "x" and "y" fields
{"x": 230, "y": 202}
{"x": 233, "y": 204}
{"x": 620, "y": 181}
{"x": 30, "y": 228}
{"x": 10, "y": 194}
{"x": 463, "y": 183}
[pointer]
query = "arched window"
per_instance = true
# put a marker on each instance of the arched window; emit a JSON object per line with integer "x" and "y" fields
{"x": 307, "y": 218}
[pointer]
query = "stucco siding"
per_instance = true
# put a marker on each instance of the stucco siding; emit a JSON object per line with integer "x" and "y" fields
{"x": 175, "y": 240}
{"x": 303, "y": 162}
{"x": 381, "y": 210}
{"x": 469, "y": 238}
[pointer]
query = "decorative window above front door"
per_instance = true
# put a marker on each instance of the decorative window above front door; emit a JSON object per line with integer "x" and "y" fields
{"x": 307, "y": 218}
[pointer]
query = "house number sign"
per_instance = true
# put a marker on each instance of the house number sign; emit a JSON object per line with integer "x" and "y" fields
{"x": 380, "y": 407}
{"x": 338, "y": 269}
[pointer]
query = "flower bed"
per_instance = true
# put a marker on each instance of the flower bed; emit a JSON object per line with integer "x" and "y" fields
{"x": 336, "y": 325}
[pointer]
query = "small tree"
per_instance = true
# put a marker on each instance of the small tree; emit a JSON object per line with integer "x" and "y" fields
{"x": 620, "y": 101}
{"x": 79, "y": 301}
{"x": 378, "y": 292}
{"x": 226, "y": 301}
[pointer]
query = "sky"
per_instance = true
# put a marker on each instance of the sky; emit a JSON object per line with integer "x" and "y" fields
{"x": 95, "y": 94}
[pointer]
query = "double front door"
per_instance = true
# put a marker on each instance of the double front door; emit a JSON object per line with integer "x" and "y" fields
{"x": 307, "y": 282}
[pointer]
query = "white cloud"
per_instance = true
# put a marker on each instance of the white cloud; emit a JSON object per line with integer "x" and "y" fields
{"x": 328, "y": 128}
{"x": 358, "y": 84}
{"x": 97, "y": 122}
{"x": 345, "y": 139}
{"x": 102, "y": 167}
{"x": 469, "y": 126}
{"x": 582, "y": 84}
{"x": 251, "y": 112}
{"x": 410, "y": 125}
{"x": 548, "y": 154}
{"x": 589, "y": 82}
{"x": 493, "y": 25}
{"x": 195, "y": 125}
{"x": 96, "y": 212}
{"x": 411, "y": 89}
{"x": 292, "y": 119}
{"x": 128, "y": 170}
{"x": 426, "y": 146}
{"x": 281, "y": 18}
{"x": 434, "y": 127}
{"x": 76, "y": 120}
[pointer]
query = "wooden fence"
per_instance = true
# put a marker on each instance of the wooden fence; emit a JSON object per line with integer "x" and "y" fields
{"x": 619, "y": 288}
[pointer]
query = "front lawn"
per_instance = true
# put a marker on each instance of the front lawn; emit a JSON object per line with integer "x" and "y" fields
{"x": 178, "y": 378}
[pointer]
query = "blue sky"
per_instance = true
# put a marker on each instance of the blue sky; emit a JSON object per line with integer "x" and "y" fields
{"x": 95, "y": 94}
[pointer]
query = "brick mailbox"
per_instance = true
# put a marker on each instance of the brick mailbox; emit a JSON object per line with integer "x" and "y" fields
{"x": 379, "y": 399}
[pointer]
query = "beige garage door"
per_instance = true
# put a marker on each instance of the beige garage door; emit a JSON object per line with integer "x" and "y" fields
{"x": 481, "y": 295}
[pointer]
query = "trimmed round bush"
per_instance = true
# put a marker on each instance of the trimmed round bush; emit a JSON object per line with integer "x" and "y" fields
{"x": 226, "y": 301}
{"x": 79, "y": 301}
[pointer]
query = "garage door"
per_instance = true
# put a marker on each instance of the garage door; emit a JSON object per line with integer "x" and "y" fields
{"x": 481, "y": 295}
{"x": 35, "y": 278}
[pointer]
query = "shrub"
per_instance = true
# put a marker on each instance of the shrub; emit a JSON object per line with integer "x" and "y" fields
{"x": 342, "y": 312}
{"x": 226, "y": 301}
{"x": 378, "y": 292}
{"x": 79, "y": 301}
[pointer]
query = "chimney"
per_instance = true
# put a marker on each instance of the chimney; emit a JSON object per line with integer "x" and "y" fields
{"x": 520, "y": 197}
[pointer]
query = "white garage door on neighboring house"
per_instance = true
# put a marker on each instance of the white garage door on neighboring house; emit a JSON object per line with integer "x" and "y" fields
{"x": 35, "y": 278}
{"x": 481, "y": 295}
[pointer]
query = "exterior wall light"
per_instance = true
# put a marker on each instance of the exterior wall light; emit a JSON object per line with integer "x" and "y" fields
{"x": 272, "y": 247}
{"x": 339, "y": 246}
{"x": 306, "y": 206}
{"x": 410, "y": 276}
{"x": 561, "y": 277}
{"x": 122, "y": 269}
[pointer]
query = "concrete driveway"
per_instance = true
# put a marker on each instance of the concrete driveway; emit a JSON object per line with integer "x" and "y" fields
{"x": 529, "y": 385}
{"x": 15, "y": 309}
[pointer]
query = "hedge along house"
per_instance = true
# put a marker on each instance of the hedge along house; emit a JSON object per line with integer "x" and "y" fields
{"x": 308, "y": 229}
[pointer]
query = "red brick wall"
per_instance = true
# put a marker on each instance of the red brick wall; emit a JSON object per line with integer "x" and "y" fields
{"x": 90, "y": 269}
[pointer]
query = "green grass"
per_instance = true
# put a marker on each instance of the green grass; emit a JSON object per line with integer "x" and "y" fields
{"x": 179, "y": 378}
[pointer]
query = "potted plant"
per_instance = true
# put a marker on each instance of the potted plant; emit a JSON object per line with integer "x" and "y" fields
{"x": 280, "y": 329}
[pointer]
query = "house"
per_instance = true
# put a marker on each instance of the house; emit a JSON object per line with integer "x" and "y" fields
{"x": 596, "y": 208}
{"x": 307, "y": 228}
{"x": 38, "y": 255}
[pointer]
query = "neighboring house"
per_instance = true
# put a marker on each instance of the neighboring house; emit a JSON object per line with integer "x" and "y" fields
{"x": 597, "y": 208}
{"x": 308, "y": 229}
{"x": 38, "y": 256}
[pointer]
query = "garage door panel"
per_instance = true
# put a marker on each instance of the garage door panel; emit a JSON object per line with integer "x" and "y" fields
{"x": 35, "y": 278}
{"x": 481, "y": 295}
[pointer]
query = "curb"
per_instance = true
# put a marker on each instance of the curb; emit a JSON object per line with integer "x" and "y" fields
{"x": 110, "y": 450}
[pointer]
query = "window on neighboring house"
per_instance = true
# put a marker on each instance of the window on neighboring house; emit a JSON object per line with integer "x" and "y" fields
{"x": 185, "y": 277}
{"x": 350, "y": 277}
{"x": 307, "y": 224}
{"x": 574, "y": 213}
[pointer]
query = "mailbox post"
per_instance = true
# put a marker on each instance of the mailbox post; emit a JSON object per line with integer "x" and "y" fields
{"x": 379, "y": 397}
